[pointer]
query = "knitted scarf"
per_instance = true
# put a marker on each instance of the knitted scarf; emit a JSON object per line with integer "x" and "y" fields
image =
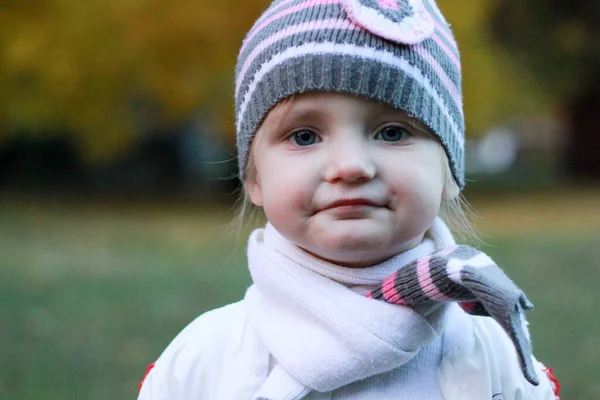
{"x": 324, "y": 336}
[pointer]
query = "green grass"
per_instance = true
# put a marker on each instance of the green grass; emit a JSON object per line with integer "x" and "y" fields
{"x": 90, "y": 294}
{"x": 561, "y": 276}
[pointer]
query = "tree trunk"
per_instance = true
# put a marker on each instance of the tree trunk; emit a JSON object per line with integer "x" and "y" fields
{"x": 583, "y": 145}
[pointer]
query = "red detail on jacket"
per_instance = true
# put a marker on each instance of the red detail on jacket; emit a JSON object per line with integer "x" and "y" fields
{"x": 145, "y": 375}
{"x": 553, "y": 381}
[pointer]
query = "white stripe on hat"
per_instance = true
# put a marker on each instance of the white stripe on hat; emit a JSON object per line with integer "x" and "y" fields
{"x": 381, "y": 56}
{"x": 340, "y": 24}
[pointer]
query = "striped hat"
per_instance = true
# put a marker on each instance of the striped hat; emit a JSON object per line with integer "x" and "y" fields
{"x": 398, "y": 52}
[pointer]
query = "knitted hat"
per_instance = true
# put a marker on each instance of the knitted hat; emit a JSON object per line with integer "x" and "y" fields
{"x": 398, "y": 52}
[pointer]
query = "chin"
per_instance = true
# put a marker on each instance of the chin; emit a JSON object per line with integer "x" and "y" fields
{"x": 354, "y": 250}
{"x": 364, "y": 250}
{"x": 353, "y": 239}
{"x": 357, "y": 259}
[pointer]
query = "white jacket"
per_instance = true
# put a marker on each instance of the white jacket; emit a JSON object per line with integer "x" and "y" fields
{"x": 219, "y": 357}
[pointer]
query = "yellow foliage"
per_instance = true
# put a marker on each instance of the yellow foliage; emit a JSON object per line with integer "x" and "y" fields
{"x": 77, "y": 64}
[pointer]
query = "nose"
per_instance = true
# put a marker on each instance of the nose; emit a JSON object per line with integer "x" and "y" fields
{"x": 350, "y": 161}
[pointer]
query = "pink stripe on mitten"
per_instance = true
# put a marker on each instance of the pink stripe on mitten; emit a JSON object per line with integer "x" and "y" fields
{"x": 477, "y": 284}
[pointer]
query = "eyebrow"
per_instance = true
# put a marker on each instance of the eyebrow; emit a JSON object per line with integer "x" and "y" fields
{"x": 385, "y": 110}
{"x": 298, "y": 115}
{"x": 302, "y": 112}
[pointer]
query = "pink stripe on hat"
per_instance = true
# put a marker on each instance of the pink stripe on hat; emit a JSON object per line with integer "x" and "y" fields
{"x": 444, "y": 31}
{"x": 342, "y": 24}
{"x": 271, "y": 10}
{"x": 446, "y": 81}
{"x": 281, "y": 14}
{"x": 442, "y": 26}
{"x": 446, "y": 50}
{"x": 283, "y": 55}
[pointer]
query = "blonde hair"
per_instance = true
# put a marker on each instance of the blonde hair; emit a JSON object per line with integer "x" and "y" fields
{"x": 455, "y": 210}
{"x": 246, "y": 211}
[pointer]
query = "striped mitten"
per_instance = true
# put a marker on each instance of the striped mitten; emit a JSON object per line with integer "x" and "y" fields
{"x": 465, "y": 275}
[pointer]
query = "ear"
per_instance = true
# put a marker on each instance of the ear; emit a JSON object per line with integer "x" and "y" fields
{"x": 254, "y": 192}
{"x": 450, "y": 193}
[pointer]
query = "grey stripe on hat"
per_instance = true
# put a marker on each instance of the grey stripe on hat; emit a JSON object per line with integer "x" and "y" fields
{"x": 363, "y": 39}
{"x": 423, "y": 80}
{"x": 290, "y": 78}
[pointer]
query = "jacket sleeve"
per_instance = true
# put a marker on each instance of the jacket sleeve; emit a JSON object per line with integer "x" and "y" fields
{"x": 205, "y": 361}
{"x": 180, "y": 372}
{"x": 547, "y": 389}
{"x": 514, "y": 386}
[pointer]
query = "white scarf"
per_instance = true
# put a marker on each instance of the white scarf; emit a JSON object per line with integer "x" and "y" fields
{"x": 323, "y": 335}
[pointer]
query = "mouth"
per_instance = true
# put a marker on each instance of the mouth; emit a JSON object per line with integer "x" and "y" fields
{"x": 355, "y": 203}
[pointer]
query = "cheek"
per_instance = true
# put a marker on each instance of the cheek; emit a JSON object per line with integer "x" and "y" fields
{"x": 431, "y": 169}
{"x": 420, "y": 185}
{"x": 286, "y": 182}
{"x": 286, "y": 207}
{"x": 284, "y": 196}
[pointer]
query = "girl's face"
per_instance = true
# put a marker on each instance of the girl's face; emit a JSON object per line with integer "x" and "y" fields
{"x": 347, "y": 179}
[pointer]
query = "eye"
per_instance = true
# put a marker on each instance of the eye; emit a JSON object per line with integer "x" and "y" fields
{"x": 305, "y": 138}
{"x": 391, "y": 134}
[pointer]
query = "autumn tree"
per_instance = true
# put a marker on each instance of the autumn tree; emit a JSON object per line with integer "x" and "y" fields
{"x": 78, "y": 64}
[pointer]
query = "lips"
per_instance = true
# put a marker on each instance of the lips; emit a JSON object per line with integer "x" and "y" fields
{"x": 352, "y": 202}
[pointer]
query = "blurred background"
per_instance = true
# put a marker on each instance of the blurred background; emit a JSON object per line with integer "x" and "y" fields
{"x": 117, "y": 163}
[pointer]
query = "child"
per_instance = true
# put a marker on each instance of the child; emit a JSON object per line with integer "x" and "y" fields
{"x": 350, "y": 136}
